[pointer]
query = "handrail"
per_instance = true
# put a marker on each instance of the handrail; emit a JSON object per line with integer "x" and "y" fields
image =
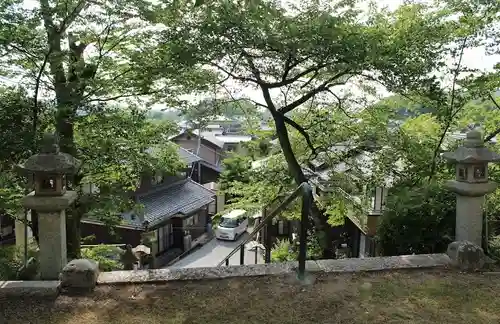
{"x": 306, "y": 191}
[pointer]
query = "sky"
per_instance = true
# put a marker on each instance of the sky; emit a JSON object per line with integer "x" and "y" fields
{"x": 474, "y": 58}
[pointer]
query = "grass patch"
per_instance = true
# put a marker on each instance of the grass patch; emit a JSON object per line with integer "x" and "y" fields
{"x": 408, "y": 297}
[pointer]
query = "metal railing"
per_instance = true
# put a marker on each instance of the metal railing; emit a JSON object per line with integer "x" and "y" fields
{"x": 306, "y": 192}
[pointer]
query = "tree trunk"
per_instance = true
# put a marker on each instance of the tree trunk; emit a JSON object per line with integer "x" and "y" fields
{"x": 68, "y": 88}
{"x": 65, "y": 116}
{"x": 321, "y": 224}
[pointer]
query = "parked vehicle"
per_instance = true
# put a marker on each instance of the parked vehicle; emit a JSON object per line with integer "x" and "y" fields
{"x": 232, "y": 225}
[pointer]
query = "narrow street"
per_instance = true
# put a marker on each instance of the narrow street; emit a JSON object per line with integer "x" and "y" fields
{"x": 213, "y": 252}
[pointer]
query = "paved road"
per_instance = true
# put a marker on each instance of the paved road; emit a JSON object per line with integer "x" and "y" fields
{"x": 213, "y": 252}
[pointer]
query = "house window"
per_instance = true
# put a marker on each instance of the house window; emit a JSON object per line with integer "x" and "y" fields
{"x": 189, "y": 221}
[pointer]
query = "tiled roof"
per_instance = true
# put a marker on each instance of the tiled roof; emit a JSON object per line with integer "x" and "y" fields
{"x": 187, "y": 156}
{"x": 205, "y": 135}
{"x": 182, "y": 197}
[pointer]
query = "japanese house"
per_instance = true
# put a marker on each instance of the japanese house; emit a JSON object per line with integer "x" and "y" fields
{"x": 177, "y": 211}
{"x": 209, "y": 156}
{"x": 174, "y": 218}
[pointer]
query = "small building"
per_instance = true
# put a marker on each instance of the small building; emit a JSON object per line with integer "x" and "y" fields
{"x": 205, "y": 156}
{"x": 174, "y": 218}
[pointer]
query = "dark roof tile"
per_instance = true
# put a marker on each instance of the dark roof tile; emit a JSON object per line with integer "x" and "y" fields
{"x": 183, "y": 197}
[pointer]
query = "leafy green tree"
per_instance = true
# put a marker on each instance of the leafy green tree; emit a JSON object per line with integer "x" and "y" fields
{"x": 236, "y": 168}
{"x": 83, "y": 53}
{"x": 417, "y": 220}
{"x": 117, "y": 147}
{"x": 307, "y": 52}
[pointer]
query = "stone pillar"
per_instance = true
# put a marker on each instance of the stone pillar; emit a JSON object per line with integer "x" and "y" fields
{"x": 469, "y": 226}
{"x": 220, "y": 201}
{"x": 52, "y": 229}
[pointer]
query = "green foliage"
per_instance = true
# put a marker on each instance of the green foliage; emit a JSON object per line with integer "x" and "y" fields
{"x": 11, "y": 261}
{"x": 494, "y": 247}
{"x": 236, "y": 168}
{"x": 417, "y": 220}
{"x": 266, "y": 183}
{"x": 117, "y": 146}
{"x": 107, "y": 256}
{"x": 283, "y": 251}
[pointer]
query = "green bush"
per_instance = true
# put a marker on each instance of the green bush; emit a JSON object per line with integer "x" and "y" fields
{"x": 107, "y": 256}
{"x": 283, "y": 251}
{"x": 494, "y": 247}
{"x": 417, "y": 220}
{"x": 11, "y": 261}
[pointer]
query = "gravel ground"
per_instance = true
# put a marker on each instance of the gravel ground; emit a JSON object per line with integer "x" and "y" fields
{"x": 408, "y": 297}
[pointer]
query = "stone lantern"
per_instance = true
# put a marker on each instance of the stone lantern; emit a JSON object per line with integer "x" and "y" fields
{"x": 471, "y": 185}
{"x": 50, "y": 198}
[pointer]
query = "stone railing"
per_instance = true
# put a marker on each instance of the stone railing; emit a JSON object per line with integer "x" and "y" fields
{"x": 88, "y": 281}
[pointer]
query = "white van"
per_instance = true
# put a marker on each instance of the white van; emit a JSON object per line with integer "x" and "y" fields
{"x": 232, "y": 225}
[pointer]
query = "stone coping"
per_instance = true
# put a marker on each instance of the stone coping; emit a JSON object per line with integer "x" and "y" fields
{"x": 38, "y": 288}
{"x": 276, "y": 269}
{"x": 52, "y": 288}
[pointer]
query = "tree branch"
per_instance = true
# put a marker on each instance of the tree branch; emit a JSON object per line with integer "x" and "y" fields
{"x": 452, "y": 114}
{"x": 496, "y": 132}
{"x": 339, "y": 103}
{"x": 54, "y": 43}
{"x": 303, "y": 132}
{"x": 323, "y": 87}
{"x": 314, "y": 69}
{"x": 145, "y": 93}
{"x": 68, "y": 20}
{"x": 234, "y": 76}
{"x": 35, "y": 103}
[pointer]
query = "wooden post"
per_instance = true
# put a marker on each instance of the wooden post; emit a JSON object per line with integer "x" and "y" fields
{"x": 269, "y": 237}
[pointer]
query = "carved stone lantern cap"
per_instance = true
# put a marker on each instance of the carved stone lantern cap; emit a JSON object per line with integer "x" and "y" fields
{"x": 473, "y": 151}
{"x": 50, "y": 160}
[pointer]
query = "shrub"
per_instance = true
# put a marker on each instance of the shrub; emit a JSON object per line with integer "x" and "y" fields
{"x": 494, "y": 247}
{"x": 107, "y": 256}
{"x": 11, "y": 261}
{"x": 283, "y": 251}
{"x": 417, "y": 220}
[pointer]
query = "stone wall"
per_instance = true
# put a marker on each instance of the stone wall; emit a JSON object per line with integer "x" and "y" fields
{"x": 26, "y": 288}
